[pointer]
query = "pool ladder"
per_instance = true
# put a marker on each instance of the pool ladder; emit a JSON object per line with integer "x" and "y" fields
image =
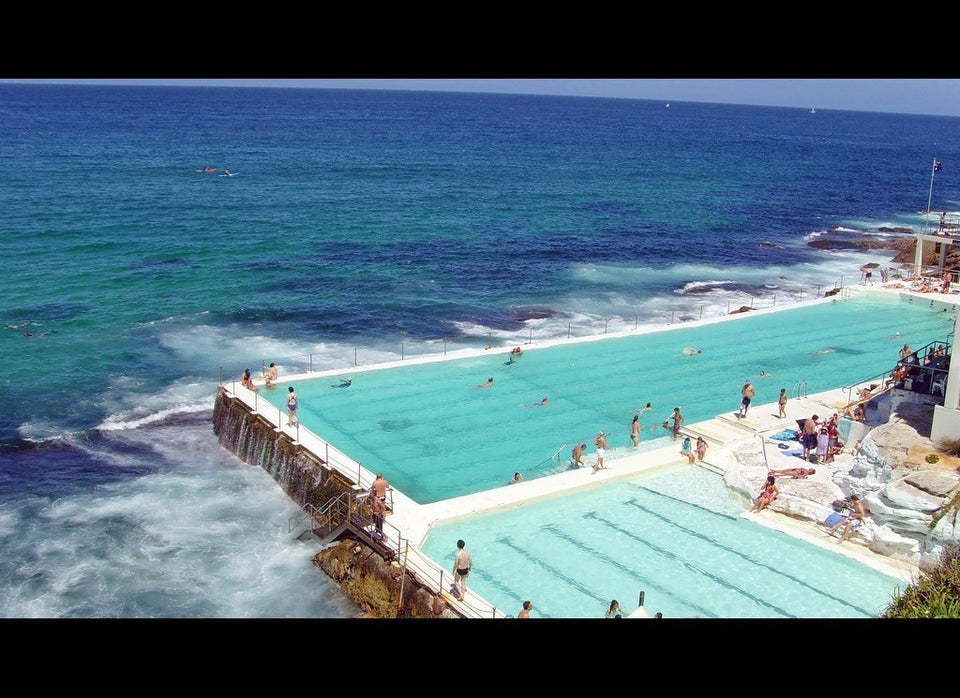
{"x": 799, "y": 389}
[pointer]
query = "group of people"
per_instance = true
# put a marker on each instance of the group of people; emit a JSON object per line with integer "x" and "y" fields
{"x": 270, "y": 375}
{"x": 693, "y": 454}
{"x": 673, "y": 423}
{"x": 821, "y": 440}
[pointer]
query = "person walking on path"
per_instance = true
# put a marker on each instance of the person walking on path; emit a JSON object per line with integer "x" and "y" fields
{"x": 746, "y": 395}
{"x": 601, "y": 443}
{"x": 782, "y": 403}
{"x": 462, "y": 564}
{"x": 293, "y": 403}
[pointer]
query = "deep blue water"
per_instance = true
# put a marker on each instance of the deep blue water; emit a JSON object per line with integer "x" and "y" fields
{"x": 373, "y": 222}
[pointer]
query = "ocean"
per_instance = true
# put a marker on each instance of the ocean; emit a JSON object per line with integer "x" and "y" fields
{"x": 373, "y": 223}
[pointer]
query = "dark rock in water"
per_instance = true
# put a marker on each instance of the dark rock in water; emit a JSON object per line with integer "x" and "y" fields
{"x": 742, "y": 309}
{"x": 831, "y": 292}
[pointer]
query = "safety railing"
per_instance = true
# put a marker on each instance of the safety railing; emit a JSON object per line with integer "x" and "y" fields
{"x": 354, "y": 509}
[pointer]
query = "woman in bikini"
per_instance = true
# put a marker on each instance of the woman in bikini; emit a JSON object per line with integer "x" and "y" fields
{"x": 247, "y": 382}
{"x": 767, "y": 495}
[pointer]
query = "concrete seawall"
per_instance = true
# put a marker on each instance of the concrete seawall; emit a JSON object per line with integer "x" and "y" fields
{"x": 379, "y": 587}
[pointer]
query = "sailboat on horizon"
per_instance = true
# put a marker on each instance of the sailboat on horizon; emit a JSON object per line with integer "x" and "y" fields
{"x": 813, "y": 110}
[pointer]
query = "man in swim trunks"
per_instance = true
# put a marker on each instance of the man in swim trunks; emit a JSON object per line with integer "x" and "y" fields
{"x": 462, "y": 564}
{"x": 746, "y": 394}
{"x": 601, "y": 443}
{"x": 858, "y": 513}
{"x": 576, "y": 456}
{"x": 379, "y": 487}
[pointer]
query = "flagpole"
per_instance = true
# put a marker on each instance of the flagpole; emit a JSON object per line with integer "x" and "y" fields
{"x": 926, "y": 216}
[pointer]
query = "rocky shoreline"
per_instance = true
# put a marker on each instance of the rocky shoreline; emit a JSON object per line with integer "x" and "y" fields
{"x": 912, "y": 502}
{"x": 902, "y": 244}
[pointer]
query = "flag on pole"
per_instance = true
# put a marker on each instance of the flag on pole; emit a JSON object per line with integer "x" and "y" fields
{"x": 937, "y": 165}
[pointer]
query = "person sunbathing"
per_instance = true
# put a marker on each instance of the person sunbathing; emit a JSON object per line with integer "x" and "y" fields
{"x": 858, "y": 512}
{"x": 795, "y": 473}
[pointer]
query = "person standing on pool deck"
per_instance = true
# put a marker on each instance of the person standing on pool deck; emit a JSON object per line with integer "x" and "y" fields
{"x": 677, "y": 421}
{"x": 601, "y": 443}
{"x": 746, "y": 394}
{"x": 379, "y": 487}
{"x": 782, "y": 403}
{"x": 293, "y": 402}
{"x": 635, "y": 431}
{"x": 462, "y": 564}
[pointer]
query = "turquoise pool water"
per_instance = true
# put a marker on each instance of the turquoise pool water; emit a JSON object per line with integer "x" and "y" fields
{"x": 674, "y": 534}
{"x": 435, "y": 435}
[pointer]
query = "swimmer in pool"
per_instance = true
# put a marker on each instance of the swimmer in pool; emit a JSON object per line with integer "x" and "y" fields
{"x": 344, "y": 383}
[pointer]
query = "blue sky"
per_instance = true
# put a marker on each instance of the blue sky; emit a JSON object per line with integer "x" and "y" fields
{"x": 938, "y": 96}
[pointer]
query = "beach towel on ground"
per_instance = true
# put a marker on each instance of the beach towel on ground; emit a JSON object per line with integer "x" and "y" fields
{"x": 785, "y": 435}
{"x": 835, "y": 518}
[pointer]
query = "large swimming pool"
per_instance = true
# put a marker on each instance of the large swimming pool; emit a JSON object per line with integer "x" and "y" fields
{"x": 436, "y": 435}
{"x": 677, "y": 535}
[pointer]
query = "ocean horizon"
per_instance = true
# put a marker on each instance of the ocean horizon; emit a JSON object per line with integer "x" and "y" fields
{"x": 371, "y": 224}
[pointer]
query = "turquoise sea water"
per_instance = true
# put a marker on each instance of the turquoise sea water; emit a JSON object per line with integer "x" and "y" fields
{"x": 358, "y": 223}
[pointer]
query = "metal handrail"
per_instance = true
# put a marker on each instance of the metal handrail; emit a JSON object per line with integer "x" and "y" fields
{"x": 348, "y": 506}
